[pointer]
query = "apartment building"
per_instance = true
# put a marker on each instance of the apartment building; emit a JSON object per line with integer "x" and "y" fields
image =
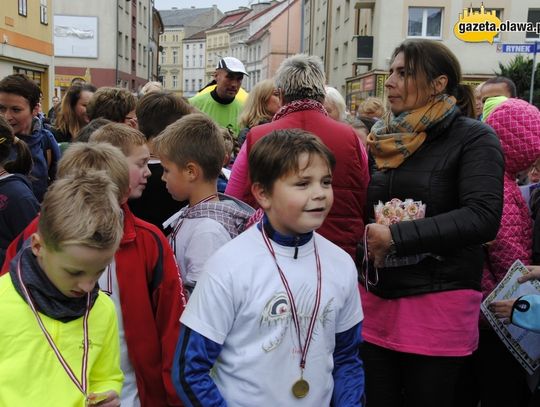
{"x": 108, "y": 43}
{"x": 26, "y": 43}
{"x": 194, "y": 63}
{"x": 178, "y": 25}
{"x": 356, "y": 38}
{"x": 275, "y": 41}
{"x": 218, "y": 39}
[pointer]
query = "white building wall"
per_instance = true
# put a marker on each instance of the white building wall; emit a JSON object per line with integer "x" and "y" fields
{"x": 194, "y": 75}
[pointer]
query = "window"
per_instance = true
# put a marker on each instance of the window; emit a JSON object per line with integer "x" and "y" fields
{"x": 139, "y": 54}
{"x": 200, "y": 46}
{"x": 126, "y": 47}
{"x": 163, "y": 56}
{"x": 187, "y": 46}
{"x": 23, "y": 8}
{"x": 193, "y": 85}
{"x": 43, "y": 17}
{"x": 119, "y": 44}
{"x": 347, "y": 9}
{"x": 200, "y": 83}
{"x": 144, "y": 16}
{"x": 175, "y": 56}
{"x": 345, "y": 53}
{"x": 425, "y": 22}
{"x": 186, "y": 85}
{"x": 144, "y": 55}
{"x": 200, "y": 61}
{"x": 336, "y": 57}
{"x": 338, "y": 17}
{"x": 533, "y": 16}
{"x": 174, "y": 81}
{"x": 186, "y": 65}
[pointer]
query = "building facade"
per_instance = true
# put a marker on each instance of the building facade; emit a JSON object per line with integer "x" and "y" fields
{"x": 84, "y": 47}
{"x": 178, "y": 25}
{"x": 355, "y": 42}
{"x": 270, "y": 45}
{"x": 194, "y": 50}
{"x": 26, "y": 43}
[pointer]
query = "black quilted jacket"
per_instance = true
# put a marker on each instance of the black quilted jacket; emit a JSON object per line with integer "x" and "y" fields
{"x": 458, "y": 174}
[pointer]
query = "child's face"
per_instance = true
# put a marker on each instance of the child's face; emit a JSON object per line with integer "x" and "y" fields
{"x": 138, "y": 170}
{"x": 16, "y": 110}
{"x": 177, "y": 180}
{"x": 74, "y": 269}
{"x": 299, "y": 202}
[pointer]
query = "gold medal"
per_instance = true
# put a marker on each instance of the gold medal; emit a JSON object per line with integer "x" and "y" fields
{"x": 300, "y": 388}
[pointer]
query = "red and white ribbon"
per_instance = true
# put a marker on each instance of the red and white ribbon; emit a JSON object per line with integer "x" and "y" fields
{"x": 82, "y": 384}
{"x": 294, "y": 312}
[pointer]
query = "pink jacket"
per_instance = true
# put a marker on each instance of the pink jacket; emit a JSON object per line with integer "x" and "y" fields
{"x": 517, "y": 124}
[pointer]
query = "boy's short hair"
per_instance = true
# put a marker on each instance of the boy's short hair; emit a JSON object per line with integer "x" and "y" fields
{"x": 194, "y": 138}
{"x": 278, "y": 154}
{"x": 157, "y": 110}
{"x": 21, "y": 85}
{"x": 81, "y": 209}
{"x": 88, "y": 157}
{"x": 111, "y": 103}
{"x": 84, "y": 134}
{"x": 119, "y": 135}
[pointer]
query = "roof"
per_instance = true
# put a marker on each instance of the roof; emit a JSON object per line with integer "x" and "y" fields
{"x": 231, "y": 17}
{"x": 182, "y": 17}
{"x": 197, "y": 36}
{"x": 248, "y": 19}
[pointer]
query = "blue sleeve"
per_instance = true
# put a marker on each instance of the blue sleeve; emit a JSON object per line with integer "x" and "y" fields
{"x": 348, "y": 369}
{"x": 194, "y": 357}
{"x": 526, "y": 313}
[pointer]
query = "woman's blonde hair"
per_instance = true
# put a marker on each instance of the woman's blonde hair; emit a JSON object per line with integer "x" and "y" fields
{"x": 255, "y": 109}
{"x": 372, "y": 107}
{"x": 335, "y": 98}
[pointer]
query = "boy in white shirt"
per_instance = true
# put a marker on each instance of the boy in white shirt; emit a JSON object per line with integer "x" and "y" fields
{"x": 276, "y": 316}
{"x": 191, "y": 151}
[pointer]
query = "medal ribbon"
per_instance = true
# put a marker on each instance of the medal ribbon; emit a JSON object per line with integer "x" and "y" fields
{"x": 83, "y": 384}
{"x": 109, "y": 289}
{"x": 294, "y": 312}
{"x": 172, "y": 236}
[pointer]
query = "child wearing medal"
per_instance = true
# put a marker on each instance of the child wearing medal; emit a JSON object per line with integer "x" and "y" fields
{"x": 59, "y": 336}
{"x": 192, "y": 151}
{"x": 143, "y": 280}
{"x": 275, "y": 318}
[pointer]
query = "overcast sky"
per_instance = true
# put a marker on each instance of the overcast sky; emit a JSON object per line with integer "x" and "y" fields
{"x": 223, "y": 5}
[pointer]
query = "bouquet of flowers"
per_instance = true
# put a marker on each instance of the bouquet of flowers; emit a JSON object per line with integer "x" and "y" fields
{"x": 396, "y": 210}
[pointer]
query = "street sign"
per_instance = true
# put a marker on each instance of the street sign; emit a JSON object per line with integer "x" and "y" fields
{"x": 518, "y": 48}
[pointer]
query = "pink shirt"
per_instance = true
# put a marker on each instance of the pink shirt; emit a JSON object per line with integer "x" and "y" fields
{"x": 434, "y": 324}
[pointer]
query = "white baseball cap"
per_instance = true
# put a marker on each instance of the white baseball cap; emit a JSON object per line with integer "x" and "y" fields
{"x": 232, "y": 64}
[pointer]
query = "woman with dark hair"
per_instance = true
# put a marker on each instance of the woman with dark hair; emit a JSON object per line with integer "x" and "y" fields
{"x": 18, "y": 205}
{"x": 421, "y": 290}
{"x": 72, "y": 115}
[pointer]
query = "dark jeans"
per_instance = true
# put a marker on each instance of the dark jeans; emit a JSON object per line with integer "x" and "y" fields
{"x": 396, "y": 379}
{"x": 492, "y": 376}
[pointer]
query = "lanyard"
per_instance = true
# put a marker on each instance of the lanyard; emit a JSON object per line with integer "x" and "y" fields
{"x": 294, "y": 311}
{"x": 82, "y": 385}
{"x": 108, "y": 276}
{"x": 172, "y": 236}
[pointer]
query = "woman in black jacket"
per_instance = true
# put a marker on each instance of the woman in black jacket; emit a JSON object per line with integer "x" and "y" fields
{"x": 422, "y": 290}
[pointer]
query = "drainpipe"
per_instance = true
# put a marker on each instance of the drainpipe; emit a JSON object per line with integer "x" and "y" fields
{"x": 117, "y": 26}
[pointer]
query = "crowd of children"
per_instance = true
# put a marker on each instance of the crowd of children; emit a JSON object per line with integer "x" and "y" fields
{"x": 130, "y": 278}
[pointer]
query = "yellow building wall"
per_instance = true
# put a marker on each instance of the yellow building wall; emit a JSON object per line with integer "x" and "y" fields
{"x": 27, "y": 32}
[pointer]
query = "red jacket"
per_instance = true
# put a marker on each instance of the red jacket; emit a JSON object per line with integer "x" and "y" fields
{"x": 344, "y": 225}
{"x": 152, "y": 300}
